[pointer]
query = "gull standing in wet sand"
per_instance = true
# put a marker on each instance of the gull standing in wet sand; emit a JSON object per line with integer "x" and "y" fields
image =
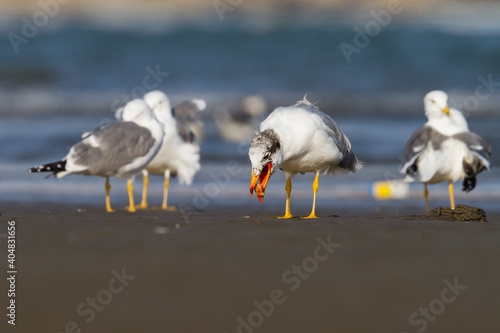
{"x": 118, "y": 149}
{"x": 179, "y": 154}
{"x": 299, "y": 138}
{"x": 444, "y": 149}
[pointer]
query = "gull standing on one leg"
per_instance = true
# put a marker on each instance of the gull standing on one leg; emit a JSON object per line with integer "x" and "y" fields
{"x": 444, "y": 149}
{"x": 299, "y": 138}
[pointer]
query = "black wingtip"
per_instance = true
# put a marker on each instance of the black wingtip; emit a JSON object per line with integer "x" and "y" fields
{"x": 470, "y": 178}
{"x": 412, "y": 169}
{"x": 469, "y": 184}
{"x": 54, "y": 167}
{"x": 36, "y": 169}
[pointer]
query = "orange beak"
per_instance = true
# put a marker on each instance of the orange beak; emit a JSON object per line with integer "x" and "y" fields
{"x": 263, "y": 178}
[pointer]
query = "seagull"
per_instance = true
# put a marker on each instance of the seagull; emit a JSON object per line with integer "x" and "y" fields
{"x": 118, "y": 149}
{"x": 180, "y": 153}
{"x": 299, "y": 138}
{"x": 238, "y": 123}
{"x": 444, "y": 149}
{"x": 187, "y": 119}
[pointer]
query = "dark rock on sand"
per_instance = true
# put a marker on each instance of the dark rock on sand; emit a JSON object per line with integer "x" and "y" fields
{"x": 462, "y": 213}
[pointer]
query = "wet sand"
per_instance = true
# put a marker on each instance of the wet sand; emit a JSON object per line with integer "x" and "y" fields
{"x": 212, "y": 272}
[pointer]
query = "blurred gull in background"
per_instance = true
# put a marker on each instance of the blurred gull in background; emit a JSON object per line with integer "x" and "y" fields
{"x": 238, "y": 123}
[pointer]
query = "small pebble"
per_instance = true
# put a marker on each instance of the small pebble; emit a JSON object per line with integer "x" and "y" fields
{"x": 161, "y": 230}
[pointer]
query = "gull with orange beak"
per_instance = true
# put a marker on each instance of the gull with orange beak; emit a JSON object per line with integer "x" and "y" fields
{"x": 298, "y": 138}
{"x": 444, "y": 149}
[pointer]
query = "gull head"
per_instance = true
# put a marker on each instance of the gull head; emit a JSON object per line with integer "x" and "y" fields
{"x": 157, "y": 99}
{"x": 137, "y": 111}
{"x": 436, "y": 104}
{"x": 265, "y": 155}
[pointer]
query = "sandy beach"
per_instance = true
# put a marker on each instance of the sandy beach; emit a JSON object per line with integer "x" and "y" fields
{"x": 220, "y": 271}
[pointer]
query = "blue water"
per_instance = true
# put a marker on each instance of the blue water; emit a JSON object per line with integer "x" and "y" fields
{"x": 72, "y": 76}
{"x": 283, "y": 61}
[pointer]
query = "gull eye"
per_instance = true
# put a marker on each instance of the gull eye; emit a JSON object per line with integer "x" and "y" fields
{"x": 433, "y": 101}
{"x": 267, "y": 155}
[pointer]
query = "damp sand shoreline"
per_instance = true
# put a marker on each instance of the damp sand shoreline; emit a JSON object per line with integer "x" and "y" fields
{"x": 202, "y": 276}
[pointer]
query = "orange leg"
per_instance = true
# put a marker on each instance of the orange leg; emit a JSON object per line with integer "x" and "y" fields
{"x": 145, "y": 185}
{"x": 452, "y": 196}
{"x": 131, "y": 207}
{"x": 166, "y": 185}
{"x": 315, "y": 188}
{"x": 108, "y": 203}
{"x": 426, "y": 196}
{"x": 288, "y": 188}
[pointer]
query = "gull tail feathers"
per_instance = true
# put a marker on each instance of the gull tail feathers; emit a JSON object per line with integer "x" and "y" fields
{"x": 188, "y": 163}
{"x": 56, "y": 168}
{"x": 350, "y": 163}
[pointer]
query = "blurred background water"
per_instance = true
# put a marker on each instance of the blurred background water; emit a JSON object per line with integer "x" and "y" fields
{"x": 79, "y": 67}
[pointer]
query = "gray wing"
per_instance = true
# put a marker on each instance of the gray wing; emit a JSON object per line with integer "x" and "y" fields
{"x": 350, "y": 161}
{"x": 187, "y": 116}
{"x": 417, "y": 142}
{"x": 118, "y": 144}
{"x": 420, "y": 139}
{"x": 477, "y": 145}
